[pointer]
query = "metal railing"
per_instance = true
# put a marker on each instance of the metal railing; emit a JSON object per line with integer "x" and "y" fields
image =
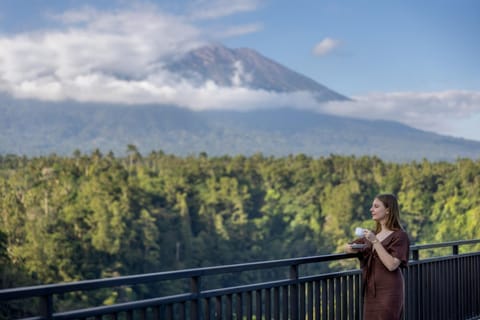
{"x": 445, "y": 287}
{"x": 440, "y": 287}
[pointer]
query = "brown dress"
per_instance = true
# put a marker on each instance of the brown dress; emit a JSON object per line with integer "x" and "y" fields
{"x": 383, "y": 290}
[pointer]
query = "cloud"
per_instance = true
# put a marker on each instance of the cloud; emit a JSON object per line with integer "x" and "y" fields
{"x": 325, "y": 46}
{"x": 119, "y": 57}
{"x": 235, "y": 31}
{"x": 118, "y": 47}
{"x": 211, "y": 9}
{"x": 129, "y": 44}
{"x": 123, "y": 51}
{"x": 431, "y": 111}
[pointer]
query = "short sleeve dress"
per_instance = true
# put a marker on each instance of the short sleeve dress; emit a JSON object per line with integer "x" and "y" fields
{"x": 383, "y": 290}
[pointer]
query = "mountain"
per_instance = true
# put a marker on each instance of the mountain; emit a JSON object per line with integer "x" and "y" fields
{"x": 29, "y": 127}
{"x": 229, "y": 67}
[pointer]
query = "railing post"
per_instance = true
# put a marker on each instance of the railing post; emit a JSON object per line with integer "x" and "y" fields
{"x": 294, "y": 292}
{"x": 415, "y": 254}
{"x": 458, "y": 276}
{"x": 195, "y": 288}
{"x": 455, "y": 249}
{"x": 46, "y": 306}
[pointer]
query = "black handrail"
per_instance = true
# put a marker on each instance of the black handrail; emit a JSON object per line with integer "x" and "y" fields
{"x": 59, "y": 288}
{"x": 334, "y": 290}
{"x": 414, "y": 249}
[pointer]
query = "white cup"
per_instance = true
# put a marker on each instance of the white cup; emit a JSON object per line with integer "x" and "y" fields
{"x": 359, "y": 231}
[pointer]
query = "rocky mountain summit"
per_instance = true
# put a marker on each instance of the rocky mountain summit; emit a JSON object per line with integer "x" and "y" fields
{"x": 248, "y": 68}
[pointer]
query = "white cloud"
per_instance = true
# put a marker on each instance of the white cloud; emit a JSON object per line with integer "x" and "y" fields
{"x": 440, "y": 112}
{"x": 236, "y": 30}
{"x": 122, "y": 50}
{"x": 129, "y": 44}
{"x": 325, "y": 46}
{"x": 210, "y": 9}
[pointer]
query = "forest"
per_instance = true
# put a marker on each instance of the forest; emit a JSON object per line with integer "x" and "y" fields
{"x": 89, "y": 216}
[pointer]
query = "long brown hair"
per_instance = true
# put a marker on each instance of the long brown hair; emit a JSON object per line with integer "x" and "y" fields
{"x": 390, "y": 202}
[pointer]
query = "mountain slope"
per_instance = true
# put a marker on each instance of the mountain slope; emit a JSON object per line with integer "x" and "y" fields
{"x": 289, "y": 131}
{"x": 60, "y": 128}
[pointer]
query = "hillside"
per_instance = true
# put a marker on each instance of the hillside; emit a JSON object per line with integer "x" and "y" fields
{"x": 62, "y": 128}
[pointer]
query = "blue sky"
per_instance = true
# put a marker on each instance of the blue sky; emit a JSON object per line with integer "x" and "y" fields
{"x": 410, "y": 61}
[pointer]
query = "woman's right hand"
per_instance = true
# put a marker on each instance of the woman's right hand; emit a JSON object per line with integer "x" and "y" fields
{"x": 348, "y": 248}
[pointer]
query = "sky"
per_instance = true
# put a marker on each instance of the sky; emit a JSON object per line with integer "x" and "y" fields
{"x": 410, "y": 61}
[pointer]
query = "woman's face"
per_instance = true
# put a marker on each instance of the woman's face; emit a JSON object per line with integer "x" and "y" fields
{"x": 378, "y": 210}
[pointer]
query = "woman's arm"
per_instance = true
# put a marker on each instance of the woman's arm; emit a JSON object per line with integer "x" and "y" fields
{"x": 391, "y": 263}
{"x": 348, "y": 249}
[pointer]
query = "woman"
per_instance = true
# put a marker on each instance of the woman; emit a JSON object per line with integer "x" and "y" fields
{"x": 386, "y": 251}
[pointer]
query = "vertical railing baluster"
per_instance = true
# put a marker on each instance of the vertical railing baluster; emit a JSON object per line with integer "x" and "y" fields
{"x": 182, "y": 310}
{"x": 218, "y": 308}
{"x": 206, "y": 311}
{"x": 301, "y": 307}
{"x": 310, "y": 300}
{"x": 268, "y": 304}
{"x": 476, "y": 286}
{"x": 228, "y": 307}
{"x": 331, "y": 298}
{"x": 239, "y": 306}
{"x": 451, "y": 283}
{"x": 285, "y": 304}
{"x": 156, "y": 313}
{"x": 350, "y": 311}
{"x": 468, "y": 291}
{"x": 436, "y": 285}
{"x": 258, "y": 304}
{"x": 343, "y": 281}
{"x": 461, "y": 285}
{"x": 294, "y": 292}
{"x": 359, "y": 297}
{"x": 276, "y": 303}
{"x": 427, "y": 291}
{"x": 317, "y": 300}
{"x": 248, "y": 304}
{"x": 168, "y": 312}
{"x": 142, "y": 314}
{"x": 455, "y": 287}
{"x": 324, "y": 299}
{"x": 195, "y": 289}
{"x": 429, "y": 296}
{"x": 46, "y": 306}
{"x": 408, "y": 293}
{"x": 338, "y": 298}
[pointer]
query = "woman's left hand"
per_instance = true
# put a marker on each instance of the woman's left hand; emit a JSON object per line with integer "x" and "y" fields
{"x": 370, "y": 236}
